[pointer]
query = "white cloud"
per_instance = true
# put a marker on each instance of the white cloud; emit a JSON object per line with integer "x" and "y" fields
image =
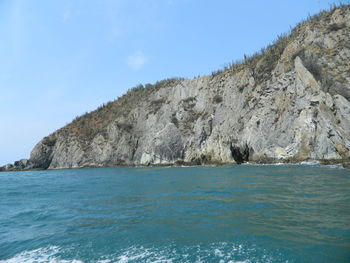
{"x": 137, "y": 60}
{"x": 66, "y": 15}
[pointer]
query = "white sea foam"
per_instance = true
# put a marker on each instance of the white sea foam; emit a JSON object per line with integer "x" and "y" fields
{"x": 306, "y": 163}
{"x": 41, "y": 255}
{"x": 141, "y": 254}
{"x": 217, "y": 252}
{"x": 310, "y": 163}
{"x": 265, "y": 164}
{"x": 335, "y": 166}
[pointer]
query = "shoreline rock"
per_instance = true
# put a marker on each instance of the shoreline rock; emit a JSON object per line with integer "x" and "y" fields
{"x": 344, "y": 163}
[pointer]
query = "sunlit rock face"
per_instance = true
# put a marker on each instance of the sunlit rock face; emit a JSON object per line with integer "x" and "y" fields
{"x": 288, "y": 104}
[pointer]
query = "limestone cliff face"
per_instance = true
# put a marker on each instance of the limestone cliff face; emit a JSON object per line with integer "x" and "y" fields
{"x": 288, "y": 104}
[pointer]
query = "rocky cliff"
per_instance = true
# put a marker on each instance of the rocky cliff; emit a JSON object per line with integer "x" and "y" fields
{"x": 288, "y": 103}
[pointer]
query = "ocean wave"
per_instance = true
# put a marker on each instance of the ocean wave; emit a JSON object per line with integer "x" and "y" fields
{"x": 221, "y": 253}
{"x": 310, "y": 163}
{"x": 216, "y": 252}
{"x": 268, "y": 164}
{"x": 40, "y": 255}
{"x": 334, "y": 166}
{"x": 316, "y": 163}
{"x": 306, "y": 163}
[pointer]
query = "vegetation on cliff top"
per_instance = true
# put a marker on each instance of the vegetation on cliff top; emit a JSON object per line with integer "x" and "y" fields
{"x": 92, "y": 123}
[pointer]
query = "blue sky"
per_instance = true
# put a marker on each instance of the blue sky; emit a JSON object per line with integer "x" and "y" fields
{"x": 61, "y": 58}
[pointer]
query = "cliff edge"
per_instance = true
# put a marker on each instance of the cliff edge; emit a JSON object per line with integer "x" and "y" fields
{"x": 288, "y": 103}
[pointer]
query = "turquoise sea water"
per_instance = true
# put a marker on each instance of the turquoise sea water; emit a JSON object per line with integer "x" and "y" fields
{"x": 230, "y": 214}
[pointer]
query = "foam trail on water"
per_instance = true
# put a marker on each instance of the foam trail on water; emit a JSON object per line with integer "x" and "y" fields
{"x": 215, "y": 252}
{"x": 40, "y": 255}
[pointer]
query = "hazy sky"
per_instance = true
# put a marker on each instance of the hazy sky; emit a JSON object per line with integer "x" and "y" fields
{"x": 61, "y": 58}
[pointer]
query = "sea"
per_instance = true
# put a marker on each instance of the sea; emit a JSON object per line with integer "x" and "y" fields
{"x": 233, "y": 214}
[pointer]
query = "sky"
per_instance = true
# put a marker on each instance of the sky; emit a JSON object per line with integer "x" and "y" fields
{"x": 62, "y": 58}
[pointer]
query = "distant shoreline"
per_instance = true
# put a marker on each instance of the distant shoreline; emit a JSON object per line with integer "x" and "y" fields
{"x": 342, "y": 163}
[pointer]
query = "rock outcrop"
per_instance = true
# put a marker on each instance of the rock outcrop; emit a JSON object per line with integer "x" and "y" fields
{"x": 290, "y": 103}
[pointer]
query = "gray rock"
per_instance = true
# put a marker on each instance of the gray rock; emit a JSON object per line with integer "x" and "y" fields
{"x": 22, "y": 164}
